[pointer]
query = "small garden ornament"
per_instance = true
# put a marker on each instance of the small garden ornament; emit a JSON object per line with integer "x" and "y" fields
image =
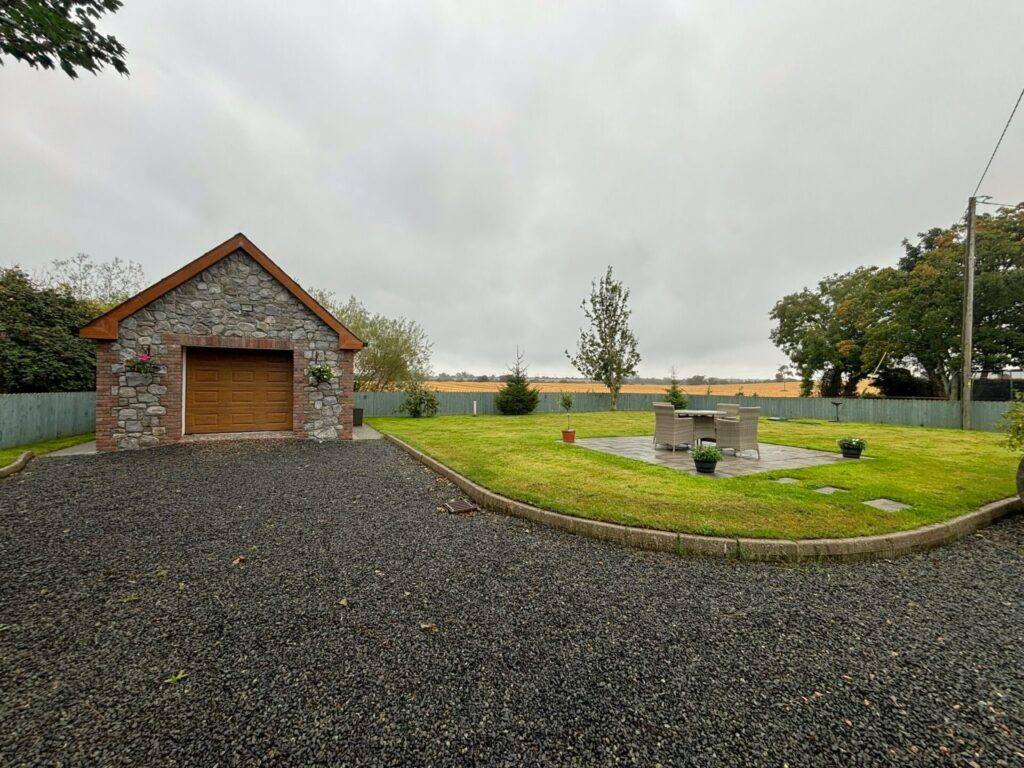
{"x": 568, "y": 434}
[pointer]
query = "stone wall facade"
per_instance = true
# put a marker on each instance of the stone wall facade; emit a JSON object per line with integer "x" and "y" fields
{"x": 235, "y": 303}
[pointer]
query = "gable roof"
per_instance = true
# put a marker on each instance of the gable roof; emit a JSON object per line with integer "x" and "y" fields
{"x": 105, "y": 326}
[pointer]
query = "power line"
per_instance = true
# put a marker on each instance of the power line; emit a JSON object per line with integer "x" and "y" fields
{"x": 998, "y": 205}
{"x": 993, "y": 156}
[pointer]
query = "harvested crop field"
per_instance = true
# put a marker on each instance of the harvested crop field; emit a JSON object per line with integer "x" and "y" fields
{"x": 749, "y": 389}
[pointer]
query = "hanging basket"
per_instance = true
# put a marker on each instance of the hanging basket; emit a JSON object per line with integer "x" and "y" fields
{"x": 143, "y": 364}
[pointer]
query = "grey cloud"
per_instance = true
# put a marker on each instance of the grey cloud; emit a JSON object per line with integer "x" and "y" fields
{"x": 474, "y": 166}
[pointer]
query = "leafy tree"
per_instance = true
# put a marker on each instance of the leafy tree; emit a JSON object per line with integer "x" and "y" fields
{"x": 901, "y": 382}
{"x": 45, "y": 33}
{"x": 398, "y": 349}
{"x": 104, "y": 284}
{"x": 40, "y": 350}
{"x": 674, "y": 394}
{"x": 607, "y": 350}
{"x": 1013, "y": 423}
{"x": 824, "y": 332}
{"x": 921, "y": 300}
{"x": 419, "y": 401}
{"x": 908, "y": 316}
{"x": 517, "y": 397}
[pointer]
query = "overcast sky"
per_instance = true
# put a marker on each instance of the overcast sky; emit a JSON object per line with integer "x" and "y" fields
{"x": 474, "y": 165}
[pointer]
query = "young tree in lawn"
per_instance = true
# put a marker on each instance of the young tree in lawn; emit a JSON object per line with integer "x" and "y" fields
{"x": 517, "y": 397}
{"x": 49, "y": 33}
{"x": 674, "y": 394}
{"x": 607, "y": 350}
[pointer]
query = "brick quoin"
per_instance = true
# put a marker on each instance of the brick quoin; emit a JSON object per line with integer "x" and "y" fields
{"x": 106, "y": 400}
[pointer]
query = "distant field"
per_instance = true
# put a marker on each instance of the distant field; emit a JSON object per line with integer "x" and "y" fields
{"x": 764, "y": 389}
{"x": 761, "y": 388}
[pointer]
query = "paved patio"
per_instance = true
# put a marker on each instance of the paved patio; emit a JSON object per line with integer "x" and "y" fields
{"x": 773, "y": 457}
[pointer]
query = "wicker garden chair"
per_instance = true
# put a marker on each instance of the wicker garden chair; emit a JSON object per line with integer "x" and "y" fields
{"x": 740, "y": 433}
{"x": 732, "y": 410}
{"x": 670, "y": 429}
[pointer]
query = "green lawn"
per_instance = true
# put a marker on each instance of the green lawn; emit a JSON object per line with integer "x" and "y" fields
{"x": 941, "y": 473}
{"x": 7, "y": 455}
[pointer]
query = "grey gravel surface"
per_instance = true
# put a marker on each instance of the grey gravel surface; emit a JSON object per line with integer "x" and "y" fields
{"x": 116, "y": 574}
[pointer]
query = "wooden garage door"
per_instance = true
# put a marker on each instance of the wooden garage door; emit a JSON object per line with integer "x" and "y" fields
{"x": 228, "y": 390}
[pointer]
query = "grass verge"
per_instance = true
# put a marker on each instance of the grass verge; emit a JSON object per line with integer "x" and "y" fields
{"x": 7, "y": 455}
{"x": 941, "y": 473}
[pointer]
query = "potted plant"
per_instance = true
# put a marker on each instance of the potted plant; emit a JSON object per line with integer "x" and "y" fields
{"x": 319, "y": 374}
{"x": 705, "y": 457}
{"x": 852, "y": 447}
{"x": 1014, "y": 423}
{"x": 568, "y": 434}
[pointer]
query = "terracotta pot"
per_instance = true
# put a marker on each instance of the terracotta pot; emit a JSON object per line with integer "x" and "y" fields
{"x": 1020, "y": 479}
{"x": 569, "y": 435}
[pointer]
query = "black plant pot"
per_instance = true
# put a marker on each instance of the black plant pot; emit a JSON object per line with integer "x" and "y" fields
{"x": 357, "y": 417}
{"x": 705, "y": 467}
{"x": 851, "y": 453}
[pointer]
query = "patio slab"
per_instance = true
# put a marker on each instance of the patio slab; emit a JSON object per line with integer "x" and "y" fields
{"x": 828, "y": 490}
{"x": 887, "y": 505}
{"x": 773, "y": 457}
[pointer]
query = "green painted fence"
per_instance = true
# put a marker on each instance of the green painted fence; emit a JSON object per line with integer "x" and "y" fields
{"x": 28, "y": 418}
{"x": 920, "y": 413}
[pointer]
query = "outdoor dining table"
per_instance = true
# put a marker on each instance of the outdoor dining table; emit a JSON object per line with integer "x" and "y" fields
{"x": 703, "y": 421}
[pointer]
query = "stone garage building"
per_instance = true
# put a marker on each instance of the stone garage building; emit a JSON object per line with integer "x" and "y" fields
{"x": 229, "y": 339}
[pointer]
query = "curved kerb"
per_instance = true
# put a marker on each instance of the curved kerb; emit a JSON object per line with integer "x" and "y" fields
{"x": 17, "y": 465}
{"x": 884, "y": 545}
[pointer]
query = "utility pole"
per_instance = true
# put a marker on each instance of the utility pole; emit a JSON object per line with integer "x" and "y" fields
{"x": 967, "y": 336}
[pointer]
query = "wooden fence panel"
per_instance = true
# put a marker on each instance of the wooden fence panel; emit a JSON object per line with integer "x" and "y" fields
{"x": 919, "y": 413}
{"x": 29, "y": 418}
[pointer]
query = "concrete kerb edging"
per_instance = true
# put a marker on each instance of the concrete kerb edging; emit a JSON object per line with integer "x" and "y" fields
{"x": 17, "y": 465}
{"x": 775, "y": 550}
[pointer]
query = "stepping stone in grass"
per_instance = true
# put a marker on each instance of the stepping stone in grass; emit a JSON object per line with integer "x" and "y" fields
{"x": 786, "y": 480}
{"x": 828, "y": 490}
{"x": 887, "y": 505}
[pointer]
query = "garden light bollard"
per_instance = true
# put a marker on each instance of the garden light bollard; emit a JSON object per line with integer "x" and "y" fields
{"x": 474, "y": 407}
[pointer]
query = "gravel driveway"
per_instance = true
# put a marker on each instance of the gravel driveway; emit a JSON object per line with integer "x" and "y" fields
{"x": 116, "y": 574}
